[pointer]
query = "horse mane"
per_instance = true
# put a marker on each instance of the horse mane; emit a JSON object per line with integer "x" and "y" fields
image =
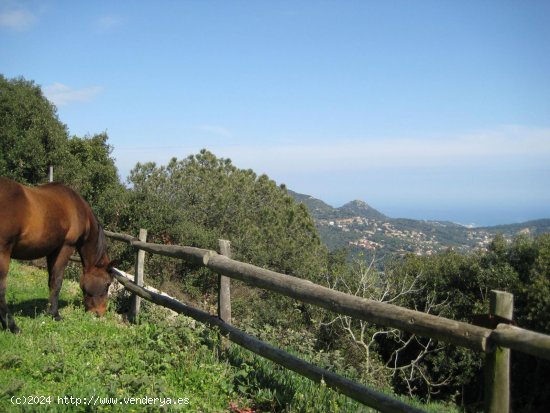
{"x": 101, "y": 241}
{"x": 101, "y": 247}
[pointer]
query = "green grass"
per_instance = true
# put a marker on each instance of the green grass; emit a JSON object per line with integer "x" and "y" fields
{"x": 87, "y": 357}
{"x": 95, "y": 359}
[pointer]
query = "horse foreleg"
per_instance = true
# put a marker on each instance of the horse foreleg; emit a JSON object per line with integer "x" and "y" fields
{"x": 56, "y": 267}
{"x": 5, "y": 316}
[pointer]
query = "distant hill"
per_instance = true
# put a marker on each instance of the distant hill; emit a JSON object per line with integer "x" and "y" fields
{"x": 321, "y": 210}
{"x": 361, "y": 228}
{"x": 362, "y": 209}
{"x": 317, "y": 208}
{"x": 535, "y": 227}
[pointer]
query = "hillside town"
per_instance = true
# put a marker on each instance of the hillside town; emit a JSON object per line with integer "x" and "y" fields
{"x": 361, "y": 228}
{"x": 374, "y": 235}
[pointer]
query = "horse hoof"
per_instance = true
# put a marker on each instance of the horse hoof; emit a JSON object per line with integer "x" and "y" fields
{"x": 15, "y": 330}
{"x": 57, "y": 317}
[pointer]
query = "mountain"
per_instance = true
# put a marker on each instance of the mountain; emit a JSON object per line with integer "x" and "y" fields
{"x": 361, "y": 228}
{"x": 321, "y": 210}
{"x": 361, "y": 209}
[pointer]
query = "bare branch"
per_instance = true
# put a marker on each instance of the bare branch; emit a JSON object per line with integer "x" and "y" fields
{"x": 368, "y": 283}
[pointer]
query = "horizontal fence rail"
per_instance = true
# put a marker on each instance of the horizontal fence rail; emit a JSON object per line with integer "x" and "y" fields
{"x": 428, "y": 325}
{"x": 354, "y": 390}
{"x": 390, "y": 315}
{"x": 446, "y": 330}
{"x": 520, "y": 339}
{"x": 191, "y": 254}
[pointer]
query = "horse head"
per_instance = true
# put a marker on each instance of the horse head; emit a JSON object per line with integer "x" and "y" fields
{"x": 95, "y": 283}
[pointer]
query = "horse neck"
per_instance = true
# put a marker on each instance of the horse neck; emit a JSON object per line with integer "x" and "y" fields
{"x": 93, "y": 252}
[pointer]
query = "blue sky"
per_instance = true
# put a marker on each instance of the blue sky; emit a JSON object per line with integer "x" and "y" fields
{"x": 424, "y": 109}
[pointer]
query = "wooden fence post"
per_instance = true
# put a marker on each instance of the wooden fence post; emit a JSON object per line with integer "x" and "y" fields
{"x": 497, "y": 362}
{"x": 224, "y": 291}
{"x": 138, "y": 278}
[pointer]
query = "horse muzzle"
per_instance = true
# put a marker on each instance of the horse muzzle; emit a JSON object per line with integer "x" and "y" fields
{"x": 97, "y": 305}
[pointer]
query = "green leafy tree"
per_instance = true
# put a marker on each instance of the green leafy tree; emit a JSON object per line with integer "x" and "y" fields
{"x": 463, "y": 282}
{"x": 530, "y": 258}
{"x": 90, "y": 170}
{"x": 536, "y": 313}
{"x": 32, "y": 138}
{"x": 31, "y": 135}
{"x": 93, "y": 169}
{"x": 200, "y": 199}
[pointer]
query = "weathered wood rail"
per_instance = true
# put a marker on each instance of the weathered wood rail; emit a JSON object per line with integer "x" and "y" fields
{"x": 456, "y": 332}
{"x": 346, "y": 386}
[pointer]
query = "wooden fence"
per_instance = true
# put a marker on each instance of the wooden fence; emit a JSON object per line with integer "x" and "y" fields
{"x": 495, "y": 342}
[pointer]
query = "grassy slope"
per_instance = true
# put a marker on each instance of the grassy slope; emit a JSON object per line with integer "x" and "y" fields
{"x": 84, "y": 356}
{"x": 90, "y": 358}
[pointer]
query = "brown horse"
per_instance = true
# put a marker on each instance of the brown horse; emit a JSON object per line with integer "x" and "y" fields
{"x": 52, "y": 221}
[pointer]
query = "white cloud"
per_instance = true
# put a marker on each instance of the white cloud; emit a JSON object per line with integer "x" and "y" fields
{"x": 473, "y": 154}
{"x": 506, "y": 144}
{"x": 60, "y": 94}
{"x": 18, "y": 20}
